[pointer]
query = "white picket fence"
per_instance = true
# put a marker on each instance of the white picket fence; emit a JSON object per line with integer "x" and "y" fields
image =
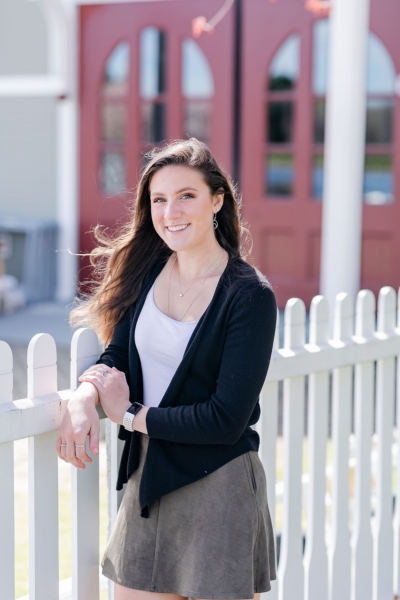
{"x": 352, "y": 532}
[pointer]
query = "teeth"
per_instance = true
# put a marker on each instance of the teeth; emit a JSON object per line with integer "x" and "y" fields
{"x": 177, "y": 227}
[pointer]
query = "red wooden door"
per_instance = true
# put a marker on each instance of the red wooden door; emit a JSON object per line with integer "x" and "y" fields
{"x": 283, "y": 97}
{"x": 144, "y": 80}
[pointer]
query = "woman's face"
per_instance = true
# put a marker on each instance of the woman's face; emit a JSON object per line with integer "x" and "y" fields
{"x": 182, "y": 207}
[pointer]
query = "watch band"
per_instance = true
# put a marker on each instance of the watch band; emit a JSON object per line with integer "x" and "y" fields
{"x": 130, "y": 415}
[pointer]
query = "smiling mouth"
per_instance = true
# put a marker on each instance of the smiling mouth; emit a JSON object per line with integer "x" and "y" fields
{"x": 178, "y": 227}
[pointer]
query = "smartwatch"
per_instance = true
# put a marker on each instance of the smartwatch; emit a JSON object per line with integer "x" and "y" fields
{"x": 130, "y": 415}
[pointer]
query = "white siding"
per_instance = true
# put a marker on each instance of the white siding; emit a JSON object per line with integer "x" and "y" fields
{"x": 27, "y": 125}
{"x": 27, "y": 157}
{"x": 23, "y": 38}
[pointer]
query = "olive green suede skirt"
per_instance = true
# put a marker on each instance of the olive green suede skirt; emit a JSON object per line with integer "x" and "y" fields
{"x": 210, "y": 539}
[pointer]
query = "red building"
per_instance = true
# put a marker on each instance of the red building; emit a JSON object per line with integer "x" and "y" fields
{"x": 254, "y": 90}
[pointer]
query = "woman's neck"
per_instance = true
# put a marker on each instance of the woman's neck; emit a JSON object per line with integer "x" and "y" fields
{"x": 194, "y": 263}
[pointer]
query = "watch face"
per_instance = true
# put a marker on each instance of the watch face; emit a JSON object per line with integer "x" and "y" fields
{"x": 136, "y": 406}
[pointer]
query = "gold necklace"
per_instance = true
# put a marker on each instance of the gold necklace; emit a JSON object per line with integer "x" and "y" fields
{"x": 179, "y": 278}
{"x": 201, "y": 287}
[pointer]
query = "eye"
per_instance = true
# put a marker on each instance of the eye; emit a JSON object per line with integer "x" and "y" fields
{"x": 157, "y": 199}
{"x": 188, "y": 194}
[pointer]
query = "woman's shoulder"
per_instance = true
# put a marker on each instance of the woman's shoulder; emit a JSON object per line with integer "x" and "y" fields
{"x": 246, "y": 284}
{"x": 244, "y": 276}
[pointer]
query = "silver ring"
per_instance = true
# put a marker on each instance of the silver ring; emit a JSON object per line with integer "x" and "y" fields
{"x": 104, "y": 373}
{"x": 80, "y": 445}
{"x": 63, "y": 445}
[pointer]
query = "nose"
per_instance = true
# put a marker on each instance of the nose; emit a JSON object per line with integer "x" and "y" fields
{"x": 172, "y": 210}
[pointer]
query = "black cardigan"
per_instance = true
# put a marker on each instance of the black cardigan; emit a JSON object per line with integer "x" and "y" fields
{"x": 203, "y": 420}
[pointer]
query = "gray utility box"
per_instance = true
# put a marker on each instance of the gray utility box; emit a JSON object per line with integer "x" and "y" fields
{"x": 31, "y": 255}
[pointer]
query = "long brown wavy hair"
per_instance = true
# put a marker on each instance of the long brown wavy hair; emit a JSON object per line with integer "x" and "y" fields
{"x": 121, "y": 262}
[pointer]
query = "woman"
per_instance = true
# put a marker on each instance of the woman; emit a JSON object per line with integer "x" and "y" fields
{"x": 188, "y": 326}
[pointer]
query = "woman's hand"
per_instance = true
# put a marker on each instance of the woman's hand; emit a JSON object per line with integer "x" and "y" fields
{"x": 80, "y": 420}
{"x": 112, "y": 388}
{"x": 114, "y": 394}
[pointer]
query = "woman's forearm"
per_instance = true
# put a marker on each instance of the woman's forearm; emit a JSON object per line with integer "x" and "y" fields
{"x": 139, "y": 422}
{"x": 87, "y": 392}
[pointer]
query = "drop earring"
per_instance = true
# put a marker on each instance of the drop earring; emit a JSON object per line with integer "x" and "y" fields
{"x": 215, "y": 222}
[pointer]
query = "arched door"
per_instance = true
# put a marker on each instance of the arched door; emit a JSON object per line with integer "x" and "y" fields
{"x": 284, "y": 87}
{"x": 144, "y": 79}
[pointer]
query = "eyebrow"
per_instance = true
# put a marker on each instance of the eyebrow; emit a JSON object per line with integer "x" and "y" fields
{"x": 177, "y": 192}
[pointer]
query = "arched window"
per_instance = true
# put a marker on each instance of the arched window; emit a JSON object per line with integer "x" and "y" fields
{"x": 113, "y": 114}
{"x": 378, "y": 168}
{"x": 152, "y": 85}
{"x": 197, "y": 91}
{"x": 319, "y": 83}
{"x": 280, "y": 102}
{"x": 381, "y": 76}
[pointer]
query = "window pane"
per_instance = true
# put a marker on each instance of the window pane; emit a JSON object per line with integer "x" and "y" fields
{"x": 318, "y": 176}
{"x": 152, "y": 62}
{"x": 198, "y": 120}
{"x": 113, "y": 121}
{"x": 279, "y": 175}
{"x": 113, "y": 172}
{"x": 116, "y": 71}
{"x": 319, "y": 121}
{"x": 379, "y": 121}
{"x": 284, "y": 69}
{"x": 320, "y": 56}
{"x": 280, "y": 122}
{"x": 378, "y": 179}
{"x": 197, "y": 78}
{"x": 381, "y": 74}
{"x": 153, "y": 122}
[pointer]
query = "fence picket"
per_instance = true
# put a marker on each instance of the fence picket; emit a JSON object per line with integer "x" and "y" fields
{"x": 340, "y": 551}
{"x": 291, "y": 572}
{"x": 364, "y": 389}
{"x": 267, "y": 428}
{"x": 7, "y": 574}
{"x": 396, "y": 521}
{"x": 364, "y": 568}
{"x": 43, "y": 477}
{"x": 383, "y": 530}
{"x": 315, "y": 559}
{"x": 42, "y": 366}
{"x": 85, "y": 489}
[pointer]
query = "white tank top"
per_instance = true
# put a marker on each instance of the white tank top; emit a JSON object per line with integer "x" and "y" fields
{"x": 161, "y": 343}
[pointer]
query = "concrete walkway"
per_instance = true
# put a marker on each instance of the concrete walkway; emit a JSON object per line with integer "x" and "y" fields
{"x": 18, "y": 329}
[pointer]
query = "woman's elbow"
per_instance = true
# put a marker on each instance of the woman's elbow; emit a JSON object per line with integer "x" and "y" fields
{"x": 230, "y": 436}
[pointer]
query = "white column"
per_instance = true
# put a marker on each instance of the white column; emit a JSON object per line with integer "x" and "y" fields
{"x": 66, "y": 49}
{"x": 344, "y": 149}
{"x": 67, "y": 199}
{"x": 61, "y": 18}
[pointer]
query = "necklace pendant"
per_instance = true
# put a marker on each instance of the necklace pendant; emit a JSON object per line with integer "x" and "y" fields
{"x": 180, "y": 295}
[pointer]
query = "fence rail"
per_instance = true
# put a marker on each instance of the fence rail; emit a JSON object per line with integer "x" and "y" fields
{"x": 351, "y": 532}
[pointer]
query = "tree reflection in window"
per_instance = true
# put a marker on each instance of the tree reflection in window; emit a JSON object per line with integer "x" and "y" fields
{"x": 197, "y": 91}
{"x": 280, "y": 115}
{"x": 381, "y": 76}
{"x": 378, "y": 179}
{"x": 152, "y": 85}
{"x": 113, "y": 116}
{"x": 279, "y": 174}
